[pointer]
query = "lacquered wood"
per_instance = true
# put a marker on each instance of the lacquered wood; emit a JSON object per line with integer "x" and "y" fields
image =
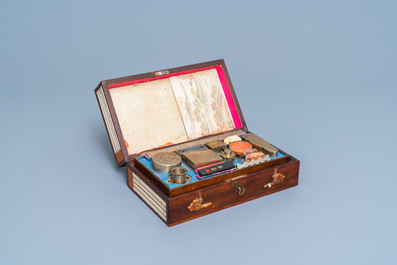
{"x": 110, "y": 82}
{"x": 180, "y": 204}
{"x": 222, "y": 195}
{"x": 120, "y": 158}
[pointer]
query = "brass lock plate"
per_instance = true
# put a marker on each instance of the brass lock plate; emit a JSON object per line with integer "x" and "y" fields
{"x": 239, "y": 189}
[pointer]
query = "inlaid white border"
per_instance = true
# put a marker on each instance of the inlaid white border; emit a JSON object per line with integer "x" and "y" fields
{"x": 108, "y": 120}
{"x": 149, "y": 196}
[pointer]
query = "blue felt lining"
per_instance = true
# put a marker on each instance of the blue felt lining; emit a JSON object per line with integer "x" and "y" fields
{"x": 164, "y": 177}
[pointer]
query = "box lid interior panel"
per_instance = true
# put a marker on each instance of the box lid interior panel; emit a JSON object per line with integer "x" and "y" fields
{"x": 172, "y": 106}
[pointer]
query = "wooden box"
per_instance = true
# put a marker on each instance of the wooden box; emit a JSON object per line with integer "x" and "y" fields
{"x": 186, "y": 107}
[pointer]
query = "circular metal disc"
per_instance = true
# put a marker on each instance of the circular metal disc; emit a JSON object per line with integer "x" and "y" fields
{"x": 164, "y": 162}
{"x": 228, "y": 155}
{"x": 240, "y": 147}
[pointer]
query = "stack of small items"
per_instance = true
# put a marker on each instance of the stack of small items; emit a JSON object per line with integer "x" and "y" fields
{"x": 220, "y": 156}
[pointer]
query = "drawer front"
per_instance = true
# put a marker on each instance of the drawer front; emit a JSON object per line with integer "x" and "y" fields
{"x": 232, "y": 192}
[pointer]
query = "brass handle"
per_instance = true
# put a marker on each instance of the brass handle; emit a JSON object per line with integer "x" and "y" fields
{"x": 277, "y": 178}
{"x": 197, "y": 204}
{"x": 240, "y": 190}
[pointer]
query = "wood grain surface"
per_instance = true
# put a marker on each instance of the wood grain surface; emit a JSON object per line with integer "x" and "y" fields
{"x": 221, "y": 195}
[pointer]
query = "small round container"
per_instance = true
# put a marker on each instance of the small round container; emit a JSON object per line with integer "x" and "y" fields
{"x": 165, "y": 162}
{"x": 240, "y": 147}
{"x": 228, "y": 155}
{"x": 178, "y": 175}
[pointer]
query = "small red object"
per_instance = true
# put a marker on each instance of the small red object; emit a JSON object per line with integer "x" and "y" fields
{"x": 254, "y": 156}
{"x": 240, "y": 147}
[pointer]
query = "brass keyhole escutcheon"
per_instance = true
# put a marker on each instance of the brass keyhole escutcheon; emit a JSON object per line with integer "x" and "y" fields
{"x": 239, "y": 189}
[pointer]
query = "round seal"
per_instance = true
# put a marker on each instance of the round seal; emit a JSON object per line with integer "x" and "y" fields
{"x": 164, "y": 162}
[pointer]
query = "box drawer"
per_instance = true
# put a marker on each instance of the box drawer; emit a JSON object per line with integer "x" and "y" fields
{"x": 231, "y": 192}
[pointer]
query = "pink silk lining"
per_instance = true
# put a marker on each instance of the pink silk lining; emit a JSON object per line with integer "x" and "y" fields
{"x": 229, "y": 97}
{"x": 222, "y": 78}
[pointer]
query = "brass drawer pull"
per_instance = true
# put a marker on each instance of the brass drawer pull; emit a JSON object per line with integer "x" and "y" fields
{"x": 277, "y": 178}
{"x": 240, "y": 190}
{"x": 197, "y": 204}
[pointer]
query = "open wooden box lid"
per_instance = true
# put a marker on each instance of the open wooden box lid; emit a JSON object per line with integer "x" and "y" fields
{"x": 169, "y": 107}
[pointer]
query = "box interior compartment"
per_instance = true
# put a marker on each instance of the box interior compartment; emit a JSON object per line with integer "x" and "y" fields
{"x": 194, "y": 176}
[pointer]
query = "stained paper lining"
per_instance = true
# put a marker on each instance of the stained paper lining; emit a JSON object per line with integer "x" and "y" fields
{"x": 174, "y": 109}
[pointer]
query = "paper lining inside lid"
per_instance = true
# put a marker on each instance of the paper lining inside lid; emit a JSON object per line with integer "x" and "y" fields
{"x": 173, "y": 110}
{"x": 202, "y": 103}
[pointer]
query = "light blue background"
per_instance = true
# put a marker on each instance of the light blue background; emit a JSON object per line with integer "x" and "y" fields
{"x": 318, "y": 79}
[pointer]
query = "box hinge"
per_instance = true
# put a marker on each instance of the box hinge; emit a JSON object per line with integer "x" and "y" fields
{"x": 165, "y": 72}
